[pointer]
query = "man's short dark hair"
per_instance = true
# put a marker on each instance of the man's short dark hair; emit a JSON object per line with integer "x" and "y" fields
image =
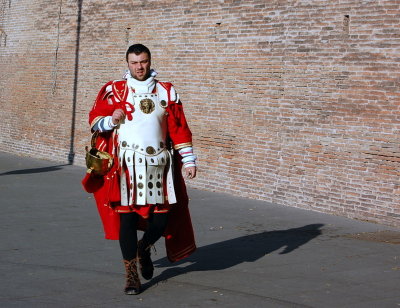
{"x": 137, "y": 49}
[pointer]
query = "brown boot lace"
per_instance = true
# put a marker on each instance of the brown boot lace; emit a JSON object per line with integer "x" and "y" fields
{"x": 132, "y": 278}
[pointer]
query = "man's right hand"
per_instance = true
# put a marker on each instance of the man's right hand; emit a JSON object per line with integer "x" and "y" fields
{"x": 118, "y": 116}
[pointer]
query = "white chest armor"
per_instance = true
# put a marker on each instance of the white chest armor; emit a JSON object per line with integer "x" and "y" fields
{"x": 142, "y": 150}
{"x": 146, "y": 132}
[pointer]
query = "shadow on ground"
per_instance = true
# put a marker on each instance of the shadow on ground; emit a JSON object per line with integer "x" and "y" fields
{"x": 248, "y": 248}
{"x": 35, "y": 170}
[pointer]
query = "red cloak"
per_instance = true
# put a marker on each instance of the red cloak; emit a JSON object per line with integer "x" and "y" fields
{"x": 179, "y": 235}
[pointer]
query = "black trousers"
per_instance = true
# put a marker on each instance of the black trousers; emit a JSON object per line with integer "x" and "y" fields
{"x": 128, "y": 232}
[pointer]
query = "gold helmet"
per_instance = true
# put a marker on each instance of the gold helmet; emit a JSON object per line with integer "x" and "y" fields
{"x": 97, "y": 161}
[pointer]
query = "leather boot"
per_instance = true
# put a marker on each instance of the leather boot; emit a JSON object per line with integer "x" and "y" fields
{"x": 145, "y": 263}
{"x": 132, "y": 278}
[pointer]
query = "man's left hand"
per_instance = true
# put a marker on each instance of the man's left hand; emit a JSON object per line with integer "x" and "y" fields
{"x": 190, "y": 172}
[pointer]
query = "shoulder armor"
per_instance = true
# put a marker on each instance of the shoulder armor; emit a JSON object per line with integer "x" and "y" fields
{"x": 105, "y": 91}
{"x": 172, "y": 95}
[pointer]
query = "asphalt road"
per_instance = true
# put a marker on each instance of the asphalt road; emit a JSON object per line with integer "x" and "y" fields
{"x": 250, "y": 253}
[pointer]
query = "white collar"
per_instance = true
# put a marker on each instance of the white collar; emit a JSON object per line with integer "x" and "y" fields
{"x": 145, "y": 86}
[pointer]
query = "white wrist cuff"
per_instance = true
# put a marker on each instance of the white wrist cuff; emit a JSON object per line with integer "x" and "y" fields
{"x": 188, "y": 158}
{"x": 108, "y": 123}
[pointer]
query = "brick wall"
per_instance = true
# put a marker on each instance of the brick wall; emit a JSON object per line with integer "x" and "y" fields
{"x": 291, "y": 102}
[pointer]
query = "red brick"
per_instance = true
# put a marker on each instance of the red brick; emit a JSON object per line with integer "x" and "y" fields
{"x": 288, "y": 102}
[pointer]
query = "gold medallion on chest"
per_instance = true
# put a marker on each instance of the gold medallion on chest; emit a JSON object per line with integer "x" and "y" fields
{"x": 147, "y": 105}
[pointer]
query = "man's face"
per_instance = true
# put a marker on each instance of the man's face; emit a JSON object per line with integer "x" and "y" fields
{"x": 139, "y": 65}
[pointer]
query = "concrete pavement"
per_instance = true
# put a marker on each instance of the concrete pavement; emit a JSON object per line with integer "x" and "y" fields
{"x": 250, "y": 253}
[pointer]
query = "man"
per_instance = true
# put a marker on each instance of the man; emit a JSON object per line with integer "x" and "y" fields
{"x": 140, "y": 122}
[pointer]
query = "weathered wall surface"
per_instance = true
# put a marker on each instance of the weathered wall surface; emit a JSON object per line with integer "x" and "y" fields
{"x": 292, "y": 102}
